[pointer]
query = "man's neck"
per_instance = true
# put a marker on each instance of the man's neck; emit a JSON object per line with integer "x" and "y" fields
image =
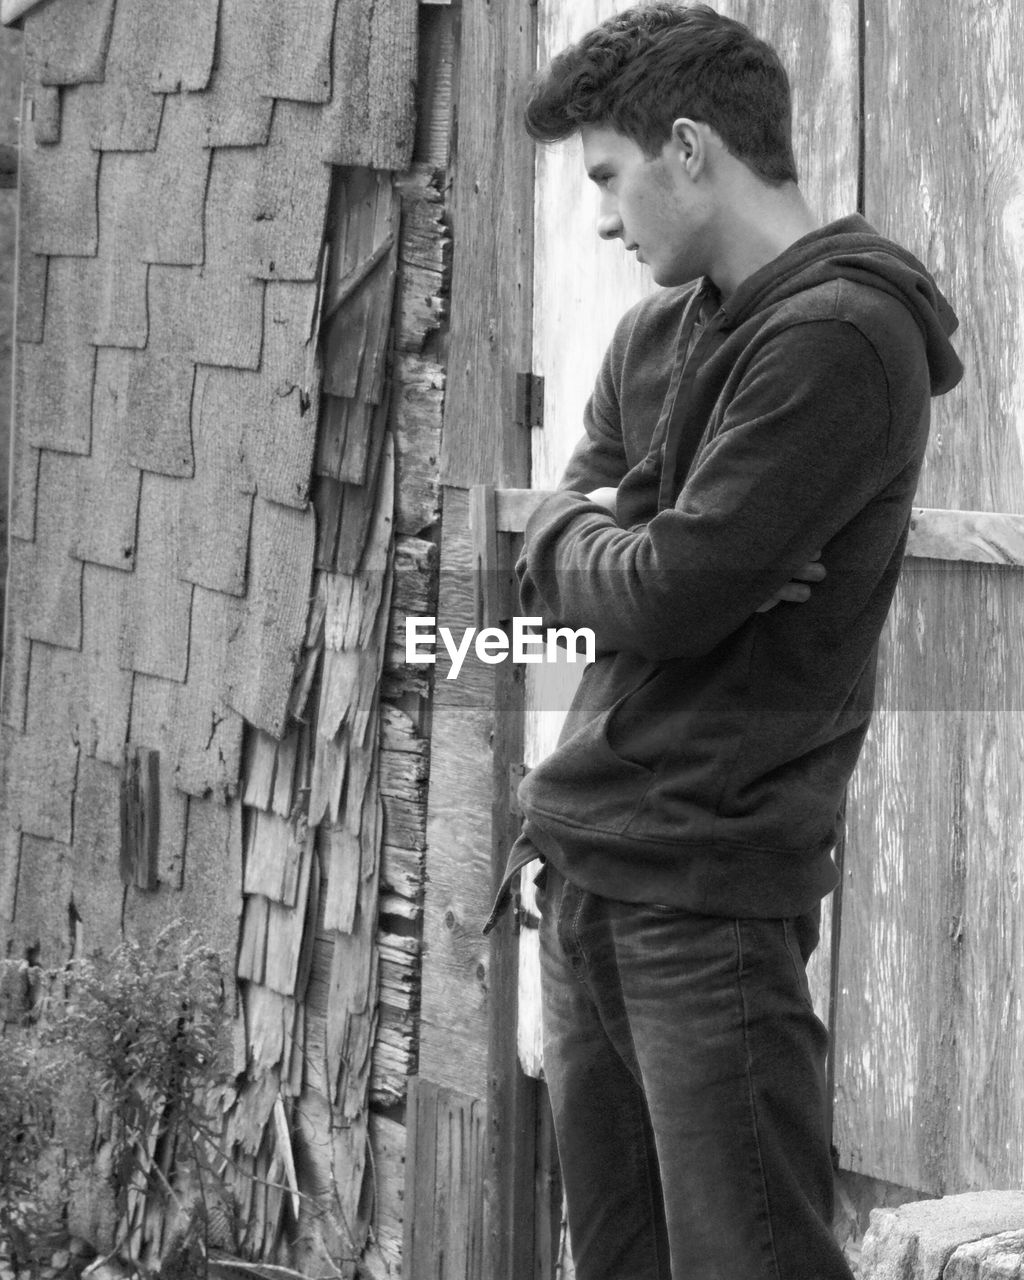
{"x": 757, "y": 224}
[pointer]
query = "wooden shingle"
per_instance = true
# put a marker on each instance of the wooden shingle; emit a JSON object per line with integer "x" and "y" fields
{"x": 127, "y": 113}
{"x": 352, "y": 1007}
{"x": 96, "y": 888}
{"x": 105, "y": 505}
{"x": 215, "y": 513}
{"x": 121, "y": 317}
{"x": 212, "y": 891}
{"x": 252, "y": 942}
{"x": 87, "y": 692}
{"x": 45, "y": 586}
{"x": 295, "y": 52}
{"x": 228, "y": 317}
{"x": 157, "y": 604}
{"x": 236, "y": 114}
{"x": 55, "y": 377}
{"x": 40, "y": 769}
{"x": 280, "y": 206}
{"x": 264, "y": 651}
{"x": 176, "y": 192}
{"x": 371, "y": 116}
{"x": 207, "y": 735}
{"x": 68, "y": 45}
{"x": 286, "y": 929}
{"x": 228, "y": 303}
{"x": 182, "y": 44}
{"x": 277, "y": 448}
{"x": 151, "y": 203}
{"x": 41, "y": 930}
{"x": 161, "y": 378}
{"x": 58, "y": 183}
{"x": 274, "y": 857}
{"x": 355, "y": 327}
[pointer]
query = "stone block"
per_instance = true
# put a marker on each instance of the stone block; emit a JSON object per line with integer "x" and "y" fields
{"x": 998, "y": 1257}
{"x": 916, "y": 1241}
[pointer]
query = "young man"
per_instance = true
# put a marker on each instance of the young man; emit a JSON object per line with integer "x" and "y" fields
{"x": 741, "y": 427}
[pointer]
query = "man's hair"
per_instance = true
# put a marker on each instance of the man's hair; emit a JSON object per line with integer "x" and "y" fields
{"x": 653, "y": 64}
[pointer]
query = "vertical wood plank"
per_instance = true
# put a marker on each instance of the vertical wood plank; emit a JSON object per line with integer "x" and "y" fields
{"x": 489, "y": 343}
{"x": 944, "y": 148}
{"x": 444, "y": 1184}
{"x": 492, "y": 218}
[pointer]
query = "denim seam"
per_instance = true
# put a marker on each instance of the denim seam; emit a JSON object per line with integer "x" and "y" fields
{"x": 579, "y": 971}
{"x": 753, "y": 1104}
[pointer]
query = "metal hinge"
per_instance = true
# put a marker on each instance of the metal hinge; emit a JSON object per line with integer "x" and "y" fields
{"x": 529, "y": 400}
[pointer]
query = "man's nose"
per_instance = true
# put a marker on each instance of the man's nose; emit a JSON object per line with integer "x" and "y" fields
{"x": 609, "y": 226}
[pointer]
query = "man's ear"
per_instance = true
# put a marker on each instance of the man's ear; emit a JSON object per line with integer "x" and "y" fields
{"x": 689, "y": 144}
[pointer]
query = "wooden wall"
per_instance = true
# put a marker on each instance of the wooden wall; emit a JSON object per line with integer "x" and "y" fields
{"x": 932, "y": 955}
{"x": 227, "y": 428}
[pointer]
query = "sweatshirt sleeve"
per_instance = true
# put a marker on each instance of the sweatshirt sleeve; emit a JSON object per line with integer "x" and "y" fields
{"x": 800, "y": 450}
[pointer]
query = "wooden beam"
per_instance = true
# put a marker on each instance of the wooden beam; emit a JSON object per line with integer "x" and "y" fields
{"x": 984, "y": 537}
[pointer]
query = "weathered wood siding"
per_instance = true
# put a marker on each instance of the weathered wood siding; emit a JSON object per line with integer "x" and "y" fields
{"x": 929, "y": 1058}
{"x": 227, "y": 424}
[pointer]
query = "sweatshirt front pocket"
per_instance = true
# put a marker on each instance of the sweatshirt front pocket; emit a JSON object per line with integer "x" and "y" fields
{"x": 586, "y": 782}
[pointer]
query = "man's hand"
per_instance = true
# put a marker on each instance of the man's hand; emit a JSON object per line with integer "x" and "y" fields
{"x": 604, "y": 498}
{"x": 797, "y": 590}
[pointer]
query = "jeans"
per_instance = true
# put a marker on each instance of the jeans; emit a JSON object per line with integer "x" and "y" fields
{"x": 685, "y": 1067}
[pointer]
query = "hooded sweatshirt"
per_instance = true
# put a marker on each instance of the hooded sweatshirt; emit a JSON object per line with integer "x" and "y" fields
{"x": 704, "y": 760}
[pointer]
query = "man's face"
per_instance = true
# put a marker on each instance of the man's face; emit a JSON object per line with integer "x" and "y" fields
{"x": 649, "y": 204}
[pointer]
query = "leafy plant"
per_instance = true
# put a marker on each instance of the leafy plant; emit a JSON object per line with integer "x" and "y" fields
{"x": 138, "y": 1031}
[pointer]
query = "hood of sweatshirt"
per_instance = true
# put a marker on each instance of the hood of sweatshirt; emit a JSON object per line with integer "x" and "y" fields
{"x": 849, "y": 249}
{"x": 852, "y": 250}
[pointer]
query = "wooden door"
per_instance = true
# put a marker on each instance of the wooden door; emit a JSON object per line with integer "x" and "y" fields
{"x": 929, "y": 1048}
